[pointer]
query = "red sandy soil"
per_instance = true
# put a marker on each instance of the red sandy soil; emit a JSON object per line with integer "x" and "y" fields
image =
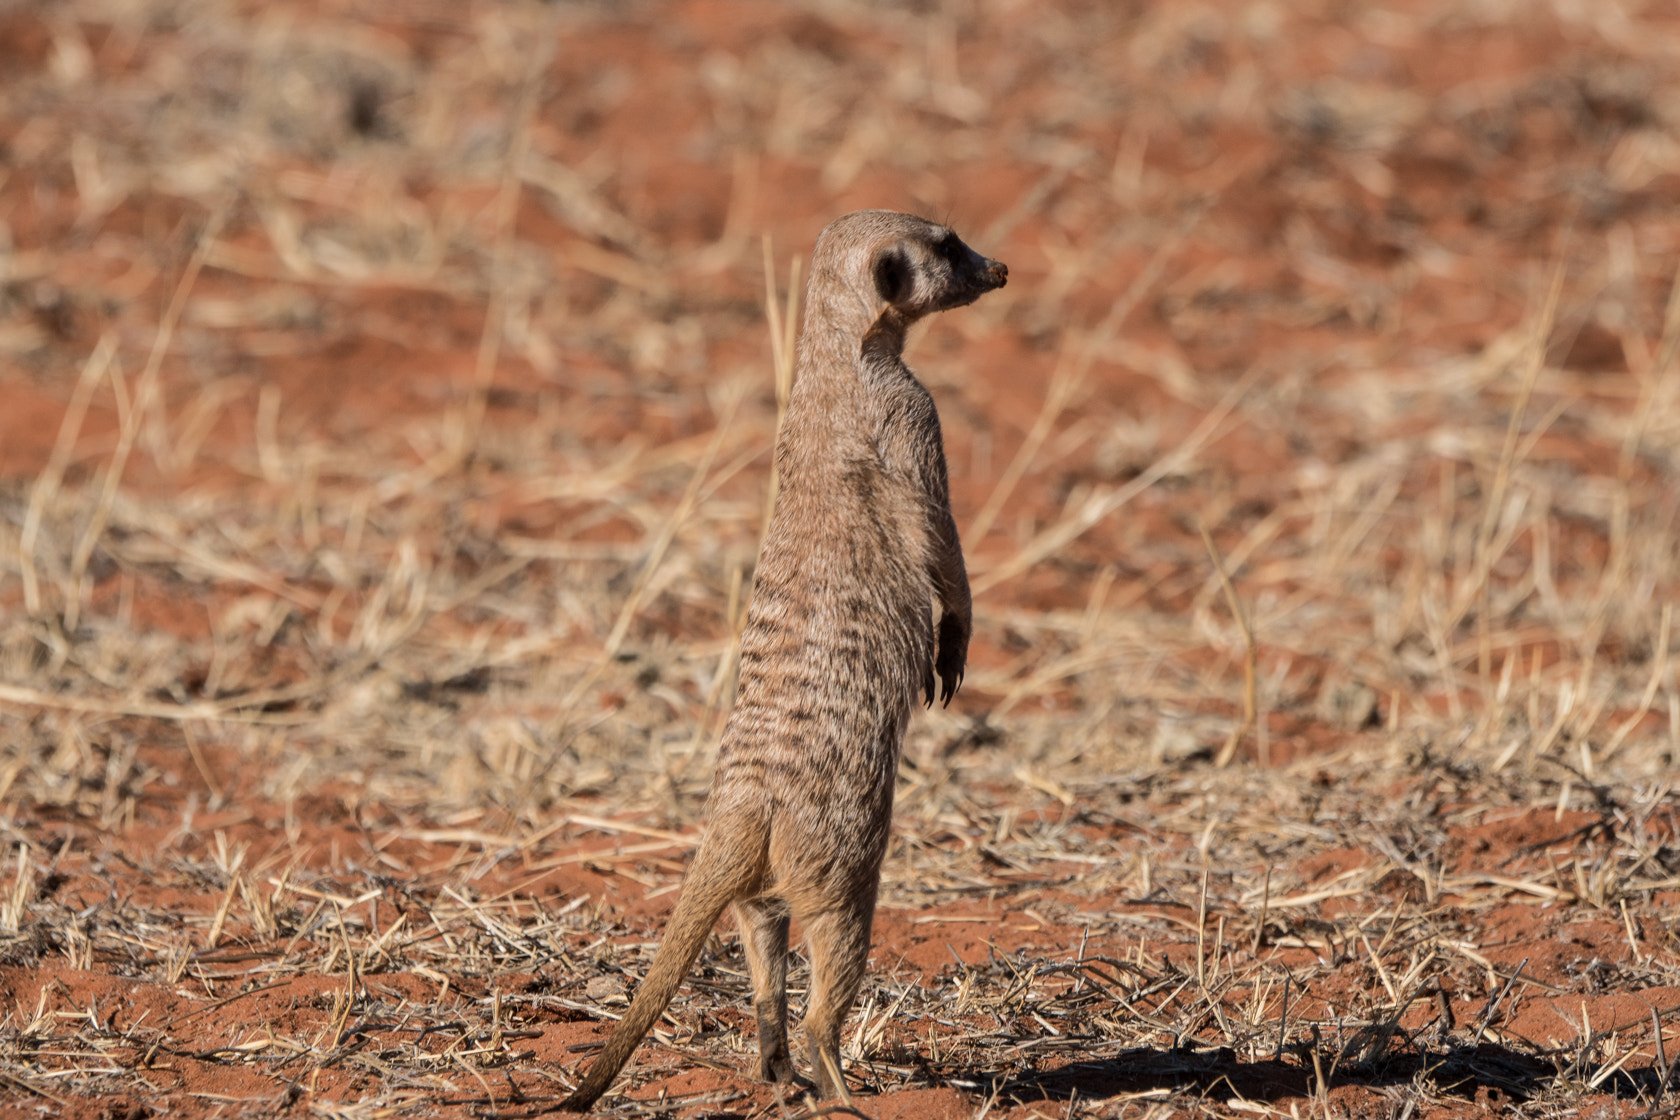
{"x": 296, "y": 824}
{"x": 468, "y": 997}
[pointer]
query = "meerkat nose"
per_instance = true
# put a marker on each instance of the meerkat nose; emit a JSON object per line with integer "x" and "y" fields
{"x": 997, "y": 272}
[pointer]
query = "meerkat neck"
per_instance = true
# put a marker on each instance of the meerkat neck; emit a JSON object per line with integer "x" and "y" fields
{"x": 836, "y": 317}
{"x": 837, "y": 305}
{"x": 883, "y": 342}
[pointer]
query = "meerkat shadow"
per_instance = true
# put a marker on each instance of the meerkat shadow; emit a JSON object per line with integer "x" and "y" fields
{"x": 1490, "y": 1074}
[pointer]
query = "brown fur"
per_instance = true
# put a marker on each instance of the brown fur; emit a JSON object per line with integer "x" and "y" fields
{"x": 839, "y": 641}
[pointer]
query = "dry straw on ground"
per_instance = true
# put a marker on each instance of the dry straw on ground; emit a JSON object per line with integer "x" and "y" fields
{"x": 385, "y": 403}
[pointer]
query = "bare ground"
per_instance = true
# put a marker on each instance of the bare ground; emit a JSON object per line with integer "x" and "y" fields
{"x": 385, "y": 402}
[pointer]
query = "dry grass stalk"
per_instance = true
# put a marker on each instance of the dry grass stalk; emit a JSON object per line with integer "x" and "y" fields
{"x": 145, "y": 401}
{"x": 465, "y": 436}
{"x": 1068, "y": 377}
{"x": 1101, "y": 504}
{"x": 52, "y": 475}
{"x": 1250, "y": 661}
{"x": 1493, "y": 507}
{"x": 784, "y": 332}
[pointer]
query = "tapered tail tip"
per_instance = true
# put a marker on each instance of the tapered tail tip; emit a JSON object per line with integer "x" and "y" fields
{"x": 580, "y": 1101}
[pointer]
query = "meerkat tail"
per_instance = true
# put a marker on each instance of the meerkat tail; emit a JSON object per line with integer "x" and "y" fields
{"x": 728, "y": 865}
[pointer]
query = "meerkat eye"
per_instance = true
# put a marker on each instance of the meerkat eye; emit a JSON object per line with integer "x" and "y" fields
{"x": 950, "y": 246}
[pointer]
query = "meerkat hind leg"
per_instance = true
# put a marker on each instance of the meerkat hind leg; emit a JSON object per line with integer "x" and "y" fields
{"x": 764, "y": 936}
{"x": 837, "y": 942}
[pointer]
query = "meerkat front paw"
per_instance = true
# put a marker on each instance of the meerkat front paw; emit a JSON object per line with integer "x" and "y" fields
{"x": 952, "y": 656}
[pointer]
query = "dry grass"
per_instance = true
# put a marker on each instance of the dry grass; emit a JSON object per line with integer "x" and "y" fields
{"x": 1197, "y": 974}
{"x": 391, "y": 405}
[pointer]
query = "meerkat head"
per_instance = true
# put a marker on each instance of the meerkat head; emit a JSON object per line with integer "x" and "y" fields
{"x": 908, "y": 263}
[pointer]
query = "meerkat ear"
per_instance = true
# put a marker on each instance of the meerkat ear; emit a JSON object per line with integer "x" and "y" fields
{"x": 892, "y": 274}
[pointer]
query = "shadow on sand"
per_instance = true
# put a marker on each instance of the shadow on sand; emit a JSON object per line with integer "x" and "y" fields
{"x": 1490, "y": 1073}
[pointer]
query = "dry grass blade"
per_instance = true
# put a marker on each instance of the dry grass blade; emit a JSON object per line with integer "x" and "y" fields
{"x": 1659, "y": 674}
{"x": 145, "y": 400}
{"x": 784, "y": 330}
{"x": 1479, "y": 589}
{"x": 52, "y": 476}
{"x": 1658, "y": 385}
{"x": 1069, "y": 376}
{"x": 1100, "y": 505}
{"x": 655, "y": 557}
{"x": 466, "y": 435}
{"x": 202, "y": 710}
{"x": 1250, "y": 660}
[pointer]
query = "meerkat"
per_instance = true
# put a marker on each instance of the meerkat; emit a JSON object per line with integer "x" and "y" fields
{"x": 840, "y": 639}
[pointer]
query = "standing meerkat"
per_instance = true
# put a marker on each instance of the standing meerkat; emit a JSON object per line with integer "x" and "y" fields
{"x": 839, "y": 642}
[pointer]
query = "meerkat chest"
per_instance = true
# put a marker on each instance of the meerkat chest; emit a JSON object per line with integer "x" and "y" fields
{"x": 854, "y": 492}
{"x": 908, "y": 443}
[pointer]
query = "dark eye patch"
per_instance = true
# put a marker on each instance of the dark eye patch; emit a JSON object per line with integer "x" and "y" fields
{"x": 892, "y": 275}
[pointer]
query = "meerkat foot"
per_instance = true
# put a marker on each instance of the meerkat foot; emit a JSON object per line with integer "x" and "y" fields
{"x": 831, "y": 1082}
{"x": 775, "y": 1061}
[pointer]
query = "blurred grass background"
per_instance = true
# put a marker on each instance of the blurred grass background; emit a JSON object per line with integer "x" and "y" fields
{"x": 389, "y": 386}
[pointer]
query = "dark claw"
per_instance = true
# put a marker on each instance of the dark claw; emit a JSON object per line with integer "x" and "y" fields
{"x": 951, "y": 686}
{"x": 953, "y": 654}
